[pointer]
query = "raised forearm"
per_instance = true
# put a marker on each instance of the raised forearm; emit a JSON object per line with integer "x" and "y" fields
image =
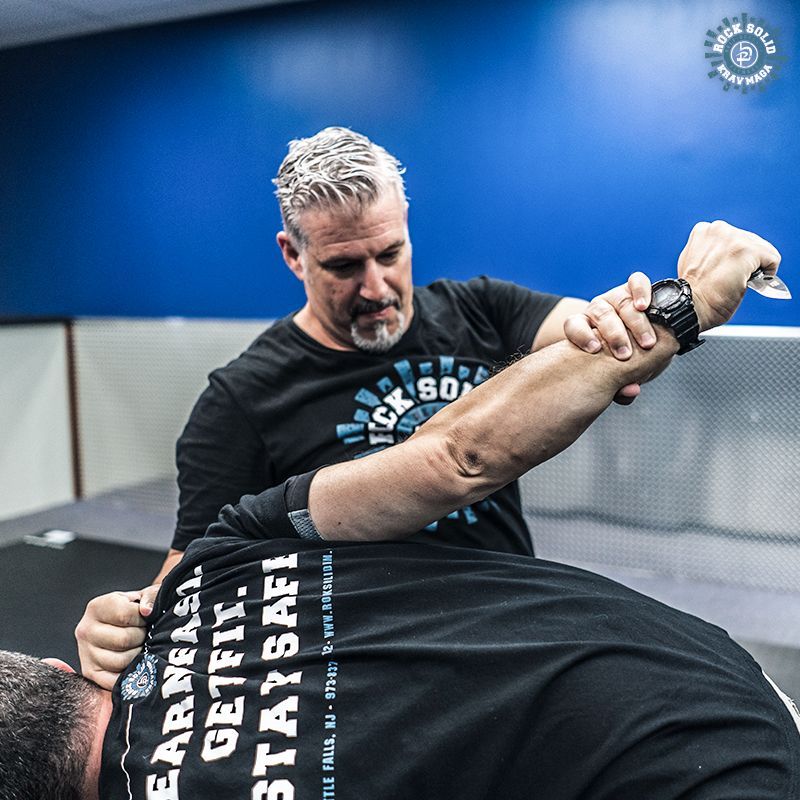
{"x": 501, "y": 429}
{"x": 525, "y": 415}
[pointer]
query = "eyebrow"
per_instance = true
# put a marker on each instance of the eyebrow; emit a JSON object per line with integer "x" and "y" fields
{"x": 340, "y": 261}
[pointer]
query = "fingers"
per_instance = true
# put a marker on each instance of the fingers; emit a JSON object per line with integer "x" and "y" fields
{"x": 737, "y": 242}
{"x": 619, "y": 314}
{"x": 640, "y": 290}
{"x": 580, "y": 332}
{"x": 609, "y": 324}
{"x": 104, "y": 679}
{"x": 109, "y": 636}
{"x": 768, "y": 255}
{"x": 104, "y": 667}
{"x": 718, "y": 260}
{"x": 615, "y": 317}
{"x": 102, "y": 636}
{"x": 115, "y": 608}
{"x": 746, "y": 245}
{"x": 627, "y": 394}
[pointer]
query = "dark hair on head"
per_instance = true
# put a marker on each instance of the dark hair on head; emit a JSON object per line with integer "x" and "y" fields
{"x": 45, "y": 735}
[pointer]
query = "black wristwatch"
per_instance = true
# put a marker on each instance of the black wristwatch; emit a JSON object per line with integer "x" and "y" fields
{"x": 672, "y": 306}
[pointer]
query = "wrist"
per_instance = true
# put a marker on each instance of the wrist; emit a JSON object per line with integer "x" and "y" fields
{"x": 706, "y": 317}
{"x": 645, "y": 365}
{"x": 609, "y": 375}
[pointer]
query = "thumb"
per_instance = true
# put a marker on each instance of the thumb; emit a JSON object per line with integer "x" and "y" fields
{"x": 148, "y": 599}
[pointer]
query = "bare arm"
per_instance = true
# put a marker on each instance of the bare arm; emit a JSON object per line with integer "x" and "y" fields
{"x": 501, "y": 429}
{"x": 173, "y": 557}
{"x": 525, "y": 415}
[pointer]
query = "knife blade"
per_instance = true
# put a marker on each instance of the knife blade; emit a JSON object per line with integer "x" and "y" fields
{"x": 769, "y": 285}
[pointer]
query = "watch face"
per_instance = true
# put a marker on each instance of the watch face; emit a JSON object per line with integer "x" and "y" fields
{"x": 666, "y": 294}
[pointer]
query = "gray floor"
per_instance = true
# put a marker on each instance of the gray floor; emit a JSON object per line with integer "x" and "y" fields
{"x": 765, "y": 621}
{"x": 143, "y": 514}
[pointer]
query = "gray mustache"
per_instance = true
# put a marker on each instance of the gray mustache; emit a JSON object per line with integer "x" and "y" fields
{"x": 371, "y": 306}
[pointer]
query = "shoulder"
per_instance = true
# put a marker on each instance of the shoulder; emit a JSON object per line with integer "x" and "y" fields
{"x": 495, "y": 299}
{"x": 447, "y": 293}
{"x": 448, "y": 288}
{"x": 264, "y": 360}
{"x": 481, "y": 288}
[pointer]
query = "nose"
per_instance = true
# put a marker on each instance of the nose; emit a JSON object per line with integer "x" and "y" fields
{"x": 373, "y": 281}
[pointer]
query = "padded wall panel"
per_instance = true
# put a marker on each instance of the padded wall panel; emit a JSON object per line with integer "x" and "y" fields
{"x": 138, "y": 381}
{"x": 35, "y": 448}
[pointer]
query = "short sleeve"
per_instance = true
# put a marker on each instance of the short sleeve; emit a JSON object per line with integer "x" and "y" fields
{"x": 220, "y": 458}
{"x": 516, "y": 312}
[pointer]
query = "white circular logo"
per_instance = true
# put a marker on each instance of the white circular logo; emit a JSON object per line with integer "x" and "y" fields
{"x": 743, "y": 53}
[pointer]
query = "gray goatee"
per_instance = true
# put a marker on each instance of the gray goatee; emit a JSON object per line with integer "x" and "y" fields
{"x": 382, "y": 340}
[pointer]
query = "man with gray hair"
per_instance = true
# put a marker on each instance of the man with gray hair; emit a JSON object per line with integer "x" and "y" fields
{"x": 369, "y": 357}
{"x": 333, "y": 189}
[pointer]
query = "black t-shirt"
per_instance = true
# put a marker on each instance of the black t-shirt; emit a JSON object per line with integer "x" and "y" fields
{"x": 289, "y": 404}
{"x": 284, "y": 668}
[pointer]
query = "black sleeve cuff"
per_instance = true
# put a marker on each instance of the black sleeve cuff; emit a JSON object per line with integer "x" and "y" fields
{"x": 277, "y": 513}
{"x": 296, "y": 491}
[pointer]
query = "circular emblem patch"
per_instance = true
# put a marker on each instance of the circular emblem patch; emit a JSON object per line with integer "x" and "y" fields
{"x": 141, "y": 682}
{"x": 743, "y": 53}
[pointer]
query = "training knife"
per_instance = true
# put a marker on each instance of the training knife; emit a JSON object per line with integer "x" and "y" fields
{"x": 769, "y": 285}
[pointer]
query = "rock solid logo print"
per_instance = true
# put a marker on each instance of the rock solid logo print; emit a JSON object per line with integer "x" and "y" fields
{"x": 743, "y": 53}
{"x": 396, "y": 405}
{"x": 392, "y": 409}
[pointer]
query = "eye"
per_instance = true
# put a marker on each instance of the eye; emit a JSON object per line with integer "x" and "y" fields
{"x": 389, "y": 258}
{"x": 342, "y": 268}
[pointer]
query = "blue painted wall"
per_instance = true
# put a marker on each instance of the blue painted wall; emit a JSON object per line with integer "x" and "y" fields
{"x": 558, "y": 144}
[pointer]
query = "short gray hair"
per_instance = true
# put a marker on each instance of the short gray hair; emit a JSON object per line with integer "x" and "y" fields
{"x": 335, "y": 169}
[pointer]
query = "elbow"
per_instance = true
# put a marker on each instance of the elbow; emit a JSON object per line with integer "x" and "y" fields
{"x": 470, "y": 472}
{"x": 480, "y": 466}
{"x": 458, "y": 464}
{"x": 465, "y": 457}
{"x": 445, "y": 472}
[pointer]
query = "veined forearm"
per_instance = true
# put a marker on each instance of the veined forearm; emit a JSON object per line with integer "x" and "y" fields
{"x": 501, "y": 429}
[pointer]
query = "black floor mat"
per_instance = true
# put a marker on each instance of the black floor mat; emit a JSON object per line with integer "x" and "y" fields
{"x": 44, "y": 589}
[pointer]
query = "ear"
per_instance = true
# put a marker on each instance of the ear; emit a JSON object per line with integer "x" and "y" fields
{"x": 58, "y": 664}
{"x": 291, "y": 255}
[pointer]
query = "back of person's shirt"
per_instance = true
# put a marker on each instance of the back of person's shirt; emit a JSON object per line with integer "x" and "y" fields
{"x": 290, "y": 669}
